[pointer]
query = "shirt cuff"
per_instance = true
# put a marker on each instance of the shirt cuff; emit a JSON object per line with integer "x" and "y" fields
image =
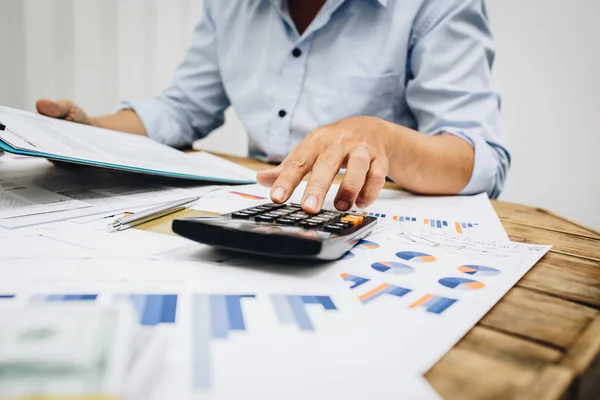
{"x": 156, "y": 117}
{"x": 485, "y": 166}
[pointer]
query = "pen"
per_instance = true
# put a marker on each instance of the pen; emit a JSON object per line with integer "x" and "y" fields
{"x": 120, "y": 224}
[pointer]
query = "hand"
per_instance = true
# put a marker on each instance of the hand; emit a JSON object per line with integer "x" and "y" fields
{"x": 360, "y": 144}
{"x": 63, "y": 109}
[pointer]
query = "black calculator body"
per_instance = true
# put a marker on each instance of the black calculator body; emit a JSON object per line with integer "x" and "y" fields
{"x": 280, "y": 230}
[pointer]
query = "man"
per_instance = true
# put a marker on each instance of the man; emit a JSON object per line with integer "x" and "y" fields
{"x": 385, "y": 88}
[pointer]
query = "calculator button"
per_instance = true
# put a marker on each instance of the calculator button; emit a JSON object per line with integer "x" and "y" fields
{"x": 344, "y": 225}
{"x": 240, "y": 215}
{"x": 306, "y": 224}
{"x": 264, "y": 218}
{"x": 353, "y": 219}
{"x": 273, "y": 206}
{"x": 333, "y": 229}
{"x": 286, "y": 221}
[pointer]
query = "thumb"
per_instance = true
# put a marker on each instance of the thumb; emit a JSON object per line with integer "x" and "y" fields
{"x": 268, "y": 177}
{"x": 63, "y": 109}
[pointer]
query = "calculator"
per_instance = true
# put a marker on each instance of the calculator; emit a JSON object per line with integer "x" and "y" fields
{"x": 280, "y": 230}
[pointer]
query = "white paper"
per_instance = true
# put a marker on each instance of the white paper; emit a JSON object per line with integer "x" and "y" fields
{"x": 89, "y": 193}
{"x": 37, "y": 133}
{"x": 323, "y": 352}
{"x": 431, "y": 289}
{"x": 466, "y": 216}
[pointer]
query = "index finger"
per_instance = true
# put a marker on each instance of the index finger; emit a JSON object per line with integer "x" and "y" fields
{"x": 295, "y": 168}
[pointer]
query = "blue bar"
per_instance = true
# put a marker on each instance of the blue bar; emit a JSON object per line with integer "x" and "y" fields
{"x": 169, "y": 309}
{"x": 401, "y": 219}
{"x": 432, "y": 223}
{"x": 300, "y": 314}
{"x": 397, "y": 291}
{"x": 356, "y": 280}
{"x": 463, "y": 224}
{"x": 439, "y": 224}
{"x": 440, "y": 304}
{"x": 382, "y": 215}
{"x": 201, "y": 331}
{"x": 282, "y": 309}
{"x": 234, "y": 309}
{"x": 219, "y": 321}
{"x": 287, "y": 306}
{"x": 7, "y": 296}
{"x": 445, "y": 223}
{"x": 68, "y": 297}
{"x": 325, "y": 301}
{"x": 152, "y": 310}
{"x": 470, "y": 225}
{"x": 414, "y": 220}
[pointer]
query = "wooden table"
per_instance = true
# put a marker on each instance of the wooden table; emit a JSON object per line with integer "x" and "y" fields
{"x": 542, "y": 340}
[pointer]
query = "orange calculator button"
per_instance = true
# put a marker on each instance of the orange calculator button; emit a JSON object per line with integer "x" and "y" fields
{"x": 353, "y": 219}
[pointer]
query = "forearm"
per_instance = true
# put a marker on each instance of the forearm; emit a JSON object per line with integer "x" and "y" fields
{"x": 124, "y": 121}
{"x": 436, "y": 164}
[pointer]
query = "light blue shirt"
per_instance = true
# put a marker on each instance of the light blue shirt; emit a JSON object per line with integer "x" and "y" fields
{"x": 424, "y": 64}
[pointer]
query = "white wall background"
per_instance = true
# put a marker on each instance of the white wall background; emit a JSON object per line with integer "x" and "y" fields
{"x": 99, "y": 51}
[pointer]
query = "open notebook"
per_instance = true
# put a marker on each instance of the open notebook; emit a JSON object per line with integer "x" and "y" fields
{"x": 31, "y": 134}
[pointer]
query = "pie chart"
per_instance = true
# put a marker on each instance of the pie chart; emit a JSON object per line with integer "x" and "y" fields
{"x": 415, "y": 256}
{"x": 393, "y": 268}
{"x": 478, "y": 270}
{"x": 365, "y": 244}
{"x": 461, "y": 284}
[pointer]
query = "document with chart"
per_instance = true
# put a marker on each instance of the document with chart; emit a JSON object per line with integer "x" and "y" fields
{"x": 31, "y": 134}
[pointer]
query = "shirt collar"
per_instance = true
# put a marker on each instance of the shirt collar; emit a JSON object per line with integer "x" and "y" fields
{"x": 279, "y": 3}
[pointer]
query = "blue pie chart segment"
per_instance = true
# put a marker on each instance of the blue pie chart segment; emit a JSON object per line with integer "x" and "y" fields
{"x": 415, "y": 256}
{"x": 461, "y": 284}
{"x": 391, "y": 267}
{"x": 478, "y": 270}
{"x": 366, "y": 244}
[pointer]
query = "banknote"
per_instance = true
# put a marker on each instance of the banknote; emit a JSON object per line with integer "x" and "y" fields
{"x": 65, "y": 350}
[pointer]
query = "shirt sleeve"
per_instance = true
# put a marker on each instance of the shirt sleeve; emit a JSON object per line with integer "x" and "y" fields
{"x": 194, "y": 103}
{"x": 449, "y": 88}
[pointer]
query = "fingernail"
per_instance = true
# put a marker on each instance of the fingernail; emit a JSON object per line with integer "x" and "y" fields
{"x": 342, "y": 205}
{"x": 311, "y": 202}
{"x": 278, "y": 194}
{"x": 360, "y": 204}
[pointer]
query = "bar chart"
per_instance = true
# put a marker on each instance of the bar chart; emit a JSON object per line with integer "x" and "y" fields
{"x": 63, "y": 297}
{"x": 153, "y": 309}
{"x": 291, "y": 309}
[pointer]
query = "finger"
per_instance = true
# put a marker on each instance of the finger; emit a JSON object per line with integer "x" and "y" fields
{"x": 295, "y": 167}
{"x": 358, "y": 164}
{"x": 63, "y": 109}
{"x": 268, "y": 177}
{"x": 52, "y": 109}
{"x": 324, "y": 171}
{"x": 374, "y": 183}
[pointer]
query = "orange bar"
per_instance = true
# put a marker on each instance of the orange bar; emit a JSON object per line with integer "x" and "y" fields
{"x": 421, "y": 301}
{"x": 372, "y": 292}
{"x": 426, "y": 222}
{"x": 344, "y": 275}
{"x": 395, "y": 218}
{"x": 458, "y": 228}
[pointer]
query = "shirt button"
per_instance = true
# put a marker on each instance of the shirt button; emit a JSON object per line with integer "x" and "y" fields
{"x": 282, "y": 113}
{"x": 297, "y": 52}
